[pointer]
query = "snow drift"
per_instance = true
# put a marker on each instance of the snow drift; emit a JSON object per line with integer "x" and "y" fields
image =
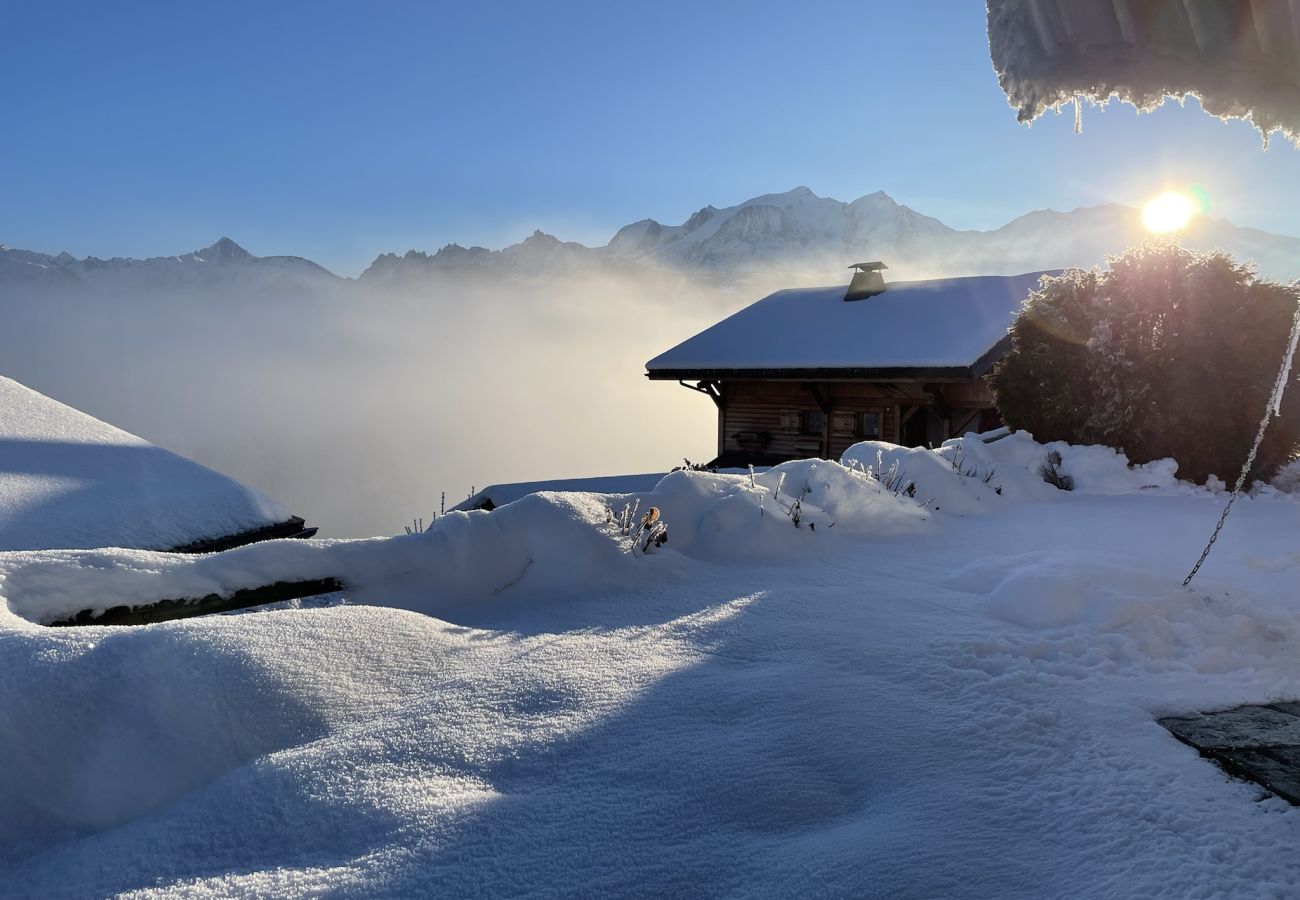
{"x": 544, "y": 544}
{"x": 976, "y": 473}
{"x": 817, "y": 710}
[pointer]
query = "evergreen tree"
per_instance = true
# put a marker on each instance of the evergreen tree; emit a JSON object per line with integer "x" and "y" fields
{"x": 1167, "y": 352}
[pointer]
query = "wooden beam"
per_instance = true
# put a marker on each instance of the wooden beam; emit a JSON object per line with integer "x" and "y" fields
{"x": 943, "y": 421}
{"x": 966, "y": 421}
{"x": 165, "y": 610}
{"x": 823, "y": 402}
{"x": 293, "y": 527}
{"x": 722, "y": 421}
{"x": 939, "y": 404}
{"x": 707, "y": 388}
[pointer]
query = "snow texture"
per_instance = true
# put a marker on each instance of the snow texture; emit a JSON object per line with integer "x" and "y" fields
{"x": 501, "y": 494}
{"x": 68, "y": 480}
{"x": 919, "y": 324}
{"x": 913, "y": 702}
{"x": 1238, "y": 59}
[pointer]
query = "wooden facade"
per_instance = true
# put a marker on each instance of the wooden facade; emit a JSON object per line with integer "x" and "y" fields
{"x": 770, "y": 420}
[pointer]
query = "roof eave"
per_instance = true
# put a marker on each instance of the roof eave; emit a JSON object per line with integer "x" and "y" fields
{"x": 842, "y": 373}
{"x": 986, "y": 362}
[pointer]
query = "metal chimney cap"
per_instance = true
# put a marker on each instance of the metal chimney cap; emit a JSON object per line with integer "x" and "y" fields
{"x": 867, "y": 281}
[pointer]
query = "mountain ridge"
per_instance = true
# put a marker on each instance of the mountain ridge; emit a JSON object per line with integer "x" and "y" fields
{"x": 796, "y": 232}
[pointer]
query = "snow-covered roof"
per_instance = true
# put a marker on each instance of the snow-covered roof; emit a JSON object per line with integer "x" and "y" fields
{"x": 501, "y": 494}
{"x": 914, "y": 326}
{"x": 1239, "y": 59}
{"x": 70, "y": 481}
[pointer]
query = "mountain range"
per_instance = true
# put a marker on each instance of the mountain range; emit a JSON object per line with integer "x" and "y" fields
{"x": 795, "y": 235}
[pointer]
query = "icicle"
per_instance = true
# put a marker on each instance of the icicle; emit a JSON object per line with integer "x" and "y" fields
{"x": 1280, "y": 388}
{"x": 1078, "y": 114}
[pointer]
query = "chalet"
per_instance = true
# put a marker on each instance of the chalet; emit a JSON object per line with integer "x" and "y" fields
{"x": 810, "y": 371}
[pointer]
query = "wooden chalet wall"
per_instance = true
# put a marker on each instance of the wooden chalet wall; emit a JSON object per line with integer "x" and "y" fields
{"x": 763, "y": 418}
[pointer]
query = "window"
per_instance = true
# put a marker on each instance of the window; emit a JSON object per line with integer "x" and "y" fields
{"x": 869, "y": 425}
{"x": 811, "y": 421}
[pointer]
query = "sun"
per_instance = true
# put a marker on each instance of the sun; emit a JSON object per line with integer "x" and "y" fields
{"x": 1171, "y": 211}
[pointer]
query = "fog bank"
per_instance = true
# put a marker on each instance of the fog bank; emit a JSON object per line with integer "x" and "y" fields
{"x": 358, "y": 408}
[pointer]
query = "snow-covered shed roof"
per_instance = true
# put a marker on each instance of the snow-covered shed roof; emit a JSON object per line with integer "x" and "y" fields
{"x": 70, "y": 481}
{"x": 950, "y": 327}
{"x": 495, "y": 495}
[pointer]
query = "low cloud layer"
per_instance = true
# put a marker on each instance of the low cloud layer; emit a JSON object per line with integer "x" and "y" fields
{"x": 358, "y": 408}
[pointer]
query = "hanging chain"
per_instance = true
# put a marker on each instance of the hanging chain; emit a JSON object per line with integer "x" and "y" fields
{"x": 1274, "y": 408}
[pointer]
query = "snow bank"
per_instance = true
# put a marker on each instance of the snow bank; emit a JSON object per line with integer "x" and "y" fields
{"x": 1094, "y": 469}
{"x": 931, "y": 478}
{"x": 548, "y": 543}
{"x": 975, "y": 474}
{"x": 70, "y": 480}
{"x": 725, "y": 516}
{"x": 556, "y": 540}
{"x": 563, "y": 543}
{"x": 551, "y": 543}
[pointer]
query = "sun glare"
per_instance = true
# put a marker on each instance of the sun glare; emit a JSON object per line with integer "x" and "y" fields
{"x": 1171, "y": 211}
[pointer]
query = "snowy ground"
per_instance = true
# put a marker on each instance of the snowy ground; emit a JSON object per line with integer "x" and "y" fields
{"x": 917, "y": 702}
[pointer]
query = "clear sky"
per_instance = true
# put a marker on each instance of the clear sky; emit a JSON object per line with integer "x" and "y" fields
{"x": 341, "y": 130}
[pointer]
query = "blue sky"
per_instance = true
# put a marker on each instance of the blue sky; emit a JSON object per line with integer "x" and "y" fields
{"x": 341, "y": 130}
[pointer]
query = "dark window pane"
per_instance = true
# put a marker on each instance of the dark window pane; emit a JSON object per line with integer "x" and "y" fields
{"x": 811, "y": 422}
{"x": 869, "y": 425}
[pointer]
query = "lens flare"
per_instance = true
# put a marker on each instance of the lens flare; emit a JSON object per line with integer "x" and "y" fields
{"x": 1171, "y": 211}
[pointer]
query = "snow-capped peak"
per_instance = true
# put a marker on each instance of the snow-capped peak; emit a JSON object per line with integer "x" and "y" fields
{"x": 224, "y": 250}
{"x": 875, "y": 198}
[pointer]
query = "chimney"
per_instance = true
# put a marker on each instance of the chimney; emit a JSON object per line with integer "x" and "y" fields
{"x": 867, "y": 281}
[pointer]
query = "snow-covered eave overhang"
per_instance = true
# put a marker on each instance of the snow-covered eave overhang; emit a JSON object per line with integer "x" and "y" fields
{"x": 973, "y": 372}
{"x": 841, "y": 373}
{"x": 293, "y": 527}
{"x": 1239, "y": 58}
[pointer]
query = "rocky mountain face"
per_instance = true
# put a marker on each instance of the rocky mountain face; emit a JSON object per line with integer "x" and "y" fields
{"x": 224, "y": 265}
{"x": 806, "y": 238}
{"x": 795, "y": 237}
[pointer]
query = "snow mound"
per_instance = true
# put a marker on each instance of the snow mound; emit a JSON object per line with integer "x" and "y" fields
{"x": 103, "y": 725}
{"x": 973, "y": 474}
{"x": 544, "y": 544}
{"x": 933, "y": 479}
{"x": 1094, "y": 469}
{"x": 727, "y": 516}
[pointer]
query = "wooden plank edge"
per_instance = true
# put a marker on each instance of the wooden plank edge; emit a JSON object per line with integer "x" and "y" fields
{"x": 184, "y": 608}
